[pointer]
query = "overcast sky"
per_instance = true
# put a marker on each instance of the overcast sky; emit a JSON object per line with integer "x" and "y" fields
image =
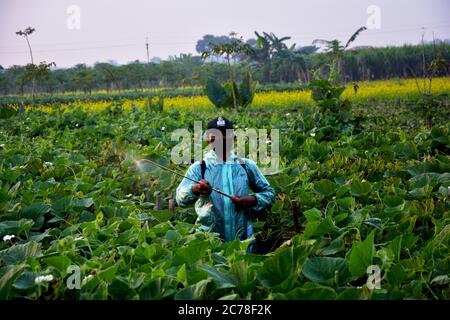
{"x": 116, "y": 30}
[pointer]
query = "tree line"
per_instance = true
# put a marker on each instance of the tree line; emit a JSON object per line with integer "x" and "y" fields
{"x": 271, "y": 61}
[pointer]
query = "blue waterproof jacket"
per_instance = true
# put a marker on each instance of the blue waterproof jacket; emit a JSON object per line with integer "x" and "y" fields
{"x": 216, "y": 212}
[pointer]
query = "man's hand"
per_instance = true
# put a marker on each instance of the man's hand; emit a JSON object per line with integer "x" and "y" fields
{"x": 202, "y": 188}
{"x": 245, "y": 202}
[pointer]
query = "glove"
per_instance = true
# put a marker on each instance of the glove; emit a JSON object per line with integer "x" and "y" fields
{"x": 245, "y": 202}
{"x": 202, "y": 188}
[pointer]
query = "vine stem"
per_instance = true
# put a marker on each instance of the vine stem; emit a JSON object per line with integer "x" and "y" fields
{"x": 429, "y": 288}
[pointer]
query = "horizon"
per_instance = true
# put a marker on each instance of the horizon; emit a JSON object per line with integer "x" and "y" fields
{"x": 99, "y": 31}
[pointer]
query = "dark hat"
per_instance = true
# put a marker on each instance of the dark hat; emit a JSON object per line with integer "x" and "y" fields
{"x": 220, "y": 123}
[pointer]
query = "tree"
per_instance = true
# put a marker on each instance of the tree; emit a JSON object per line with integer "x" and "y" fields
{"x": 84, "y": 78}
{"x": 106, "y": 74}
{"x": 32, "y": 71}
{"x": 267, "y": 47}
{"x": 4, "y": 83}
{"x": 205, "y": 43}
{"x": 336, "y": 50}
{"x": 133, "y": 75}
{"x": 236, "y": 46}
{"x": 25, "y": 33}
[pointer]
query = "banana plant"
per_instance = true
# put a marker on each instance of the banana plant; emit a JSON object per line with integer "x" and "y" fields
{"x": 231, "y": 94}
{"x": 336, "y": 50}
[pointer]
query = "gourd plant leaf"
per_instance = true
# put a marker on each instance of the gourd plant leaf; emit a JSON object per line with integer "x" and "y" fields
{"x": 280, "y": 271}
{"x": 216, "y": 93}
{"x": 361, "y": 256}
{"x": 327, "y": 270}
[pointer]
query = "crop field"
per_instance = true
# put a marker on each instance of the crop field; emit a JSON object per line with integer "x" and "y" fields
{"x": 371, "y": 193}
{"x": 192, "y": 98}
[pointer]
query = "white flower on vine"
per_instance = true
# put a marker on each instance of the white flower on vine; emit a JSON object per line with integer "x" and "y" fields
{"x": 312, "y": 134}
{"x": 163, "y": 128}
{"x": 87, "y": 279}
{"x": 8, "y": 237}
{"x": 41, "y": 279}
{"x": 47, "y": 164}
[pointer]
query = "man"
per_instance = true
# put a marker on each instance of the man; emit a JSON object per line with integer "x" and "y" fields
{"x": 222, "y": 169}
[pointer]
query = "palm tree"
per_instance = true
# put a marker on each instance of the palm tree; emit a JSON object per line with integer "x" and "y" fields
{"x": 25, "y": 33}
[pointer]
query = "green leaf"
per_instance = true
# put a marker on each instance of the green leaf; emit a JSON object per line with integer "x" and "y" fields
{"x": 350, "y": 294}
{"x": 34, "y": 211}
{"x": 326, "y": 226}
{"x": 216, "y": 93}
{"x": 25, "y": 280}
{"x": 157, "y": 289}
{"x": 194, "y": 292}
{"x": 20, "y": 252}
{"x": 162, "y": 215}
{"x": 16, "y": 228}
{"x": 393, "y": 203}
{"x": 277, "y": 206}
{"x": 119, "y": 288}
{"x": 325, "y": 187}
{"x": 420, "y": 193}
{"x": 347, "y": 203}
{"x": 62, "y": 206}
{"x": 396, "y": 246}
{"x": 310, "y": 229}
{"x": 228, "y": 89}
{"x": 360, "y": 189}
{"x": 182, "y": 275}
{"x": 83, "y": 203}
{"x": 406, "y": 150}
{"x": 246, "y": 90}
{"x": 396, "y": 275}
{"x": 315, "y": 293}
{"x": 280, "y": 271}
{"x": 190, "y": 253}
{"x": 61, "y": 263}
{"x": 361, "y": 255}
{"x": 8, "y": 278}
{"x": 337, "y": 245}
{"x": 221, "y": 279}
{"x": 313, "y": 214}
{"x": 373, "y": 222}
{"x": 136, "y": 279}
{"x": 230, "y": 297}
{"x": 327, "y": 270}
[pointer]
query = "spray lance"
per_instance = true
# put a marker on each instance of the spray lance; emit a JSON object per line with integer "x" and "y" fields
{"x": 233, "y": 198}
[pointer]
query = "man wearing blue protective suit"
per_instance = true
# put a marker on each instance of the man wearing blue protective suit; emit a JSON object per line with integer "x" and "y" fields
{"x": 222, "y": 169}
